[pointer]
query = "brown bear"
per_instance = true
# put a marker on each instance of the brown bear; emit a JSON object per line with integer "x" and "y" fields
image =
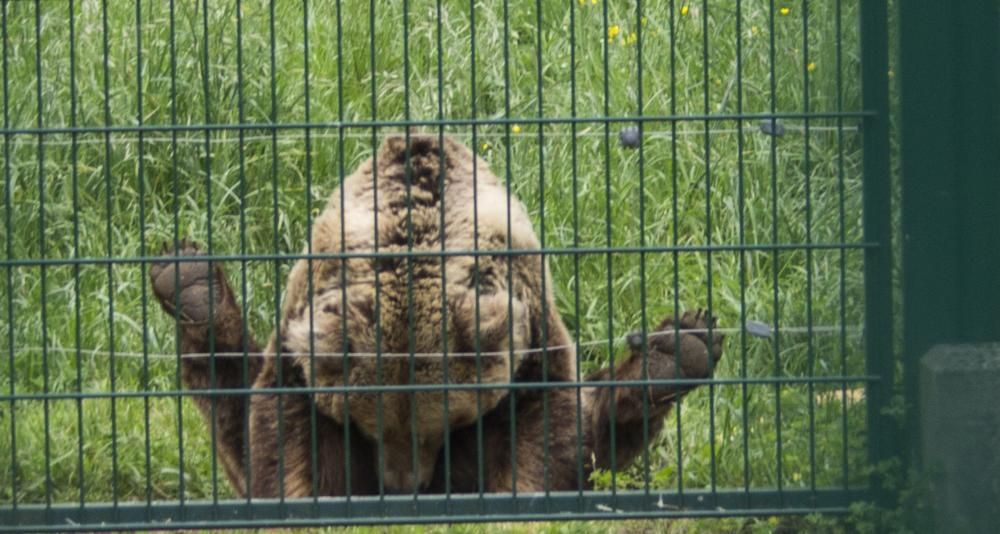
{"x": 429, "y": 278}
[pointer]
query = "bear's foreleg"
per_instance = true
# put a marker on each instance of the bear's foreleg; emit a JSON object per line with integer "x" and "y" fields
{"x": 638, "y": 416}
{"x": 209, "y": 323}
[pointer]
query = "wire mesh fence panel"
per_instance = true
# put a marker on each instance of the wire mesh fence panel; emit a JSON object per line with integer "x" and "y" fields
{"x": 518, "y": 260}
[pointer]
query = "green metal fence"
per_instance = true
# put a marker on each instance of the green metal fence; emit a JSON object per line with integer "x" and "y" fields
{"x": 728, "y": 155}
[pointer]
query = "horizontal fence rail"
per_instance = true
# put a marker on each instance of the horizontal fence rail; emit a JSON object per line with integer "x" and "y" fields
{"x": 203, "y": 128}
{"x": 435, "y": 509}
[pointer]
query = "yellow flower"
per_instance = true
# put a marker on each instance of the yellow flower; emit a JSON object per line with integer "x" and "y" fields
{"x": 785, "y": 10}
{"x": 593, "y": 2}
{"x": 632, "y": 38}
{"x": 486, "y": 146}
{"x": 685, "y": 9}
{"x": 811, "y": 66}
{"x": 613, "y": 32}
{"x": 754, "y": 30}
{"x": 515, "y": 128}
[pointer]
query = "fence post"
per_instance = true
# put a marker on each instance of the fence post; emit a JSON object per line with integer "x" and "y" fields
{"x": 877, "y": 223}
{"x": 950, "y": 121}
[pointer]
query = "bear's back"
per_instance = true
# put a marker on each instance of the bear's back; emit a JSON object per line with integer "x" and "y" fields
{"x": 418, "y": 278}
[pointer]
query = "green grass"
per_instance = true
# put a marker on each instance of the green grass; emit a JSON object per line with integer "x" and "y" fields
{"x": 677, "y": 526}
{"x": 122, "y": 195}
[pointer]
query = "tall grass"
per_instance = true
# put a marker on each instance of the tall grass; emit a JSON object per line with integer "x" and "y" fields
{"x": 70, "y": 327}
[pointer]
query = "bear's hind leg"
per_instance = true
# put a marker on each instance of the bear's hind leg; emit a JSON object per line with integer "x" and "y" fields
{"x": 296, "y": 451}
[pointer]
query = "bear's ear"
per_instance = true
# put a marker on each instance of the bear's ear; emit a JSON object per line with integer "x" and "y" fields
{"x": 635, "y": 340}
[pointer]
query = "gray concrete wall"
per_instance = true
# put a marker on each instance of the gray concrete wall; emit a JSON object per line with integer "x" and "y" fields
{"x": 960, "y": 421}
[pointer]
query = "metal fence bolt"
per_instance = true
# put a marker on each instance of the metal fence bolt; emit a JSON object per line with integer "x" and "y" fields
{"x": 629, "y": 137}
{"x": 772, "y": 127}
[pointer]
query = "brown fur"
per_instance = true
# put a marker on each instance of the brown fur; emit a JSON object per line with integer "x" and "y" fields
{"x": 420, "y": 201}
{"x": 404, "y": 200}
{"x": 184, "y": 294}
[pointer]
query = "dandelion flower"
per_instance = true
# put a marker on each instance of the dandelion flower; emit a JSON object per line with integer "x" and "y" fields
{"x": 785, "y": 11}
{"x": 811, "y": 66}
{"x": 486, "y": 146}
{"x": 613, "y": 32}
{"x": 685, "y": 9}
{"x": 516, "y": 128}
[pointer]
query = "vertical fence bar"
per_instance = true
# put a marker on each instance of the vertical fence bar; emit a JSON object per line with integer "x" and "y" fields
{"x": 245, "y": 342}
{"x": 307, "y": 133}
{"x": 841, "y": 217}
{"x": 474, "y": 114}
{"x": 8, "y": 186}
{"x": 774, "y": 253}
{"x": 275, "y": 247}
{"x": 378, "y": 292}
{"x": 713, "y": 470}
{"x": 43, "y": 252}
{"x": 74, "y": 178}
{"x": 410, "y": 318}
{"x": 644, "y": 370}
{"x": 175, "y": 183}
{"x": 343, "y": 263}
{"x": 541, "y": 236}
{"x": 741, "y": 207}
{"x": 810, "y": 349}
{"x": 443, "y": 259}
{"x": 213, "y": 378}
{"x": 509, "y": 180}
{"x": 576, "y": 256}
{"x": 142, "y": 282}
{"x": 609, "y": 260}
{"x": 109, "y": 210}
{"x": 675, "y": 240}
{"x": 877, "y": 223}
